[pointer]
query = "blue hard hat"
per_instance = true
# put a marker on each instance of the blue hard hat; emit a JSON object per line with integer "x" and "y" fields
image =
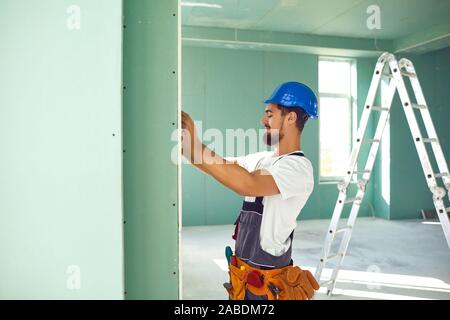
{"x": 295, "y": 94}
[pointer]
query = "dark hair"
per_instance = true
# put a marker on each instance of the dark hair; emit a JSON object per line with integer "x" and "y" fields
{"x": 302, "y": 116}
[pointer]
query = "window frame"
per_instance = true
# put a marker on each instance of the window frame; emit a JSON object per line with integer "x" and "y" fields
{"x": 352, "y": 100}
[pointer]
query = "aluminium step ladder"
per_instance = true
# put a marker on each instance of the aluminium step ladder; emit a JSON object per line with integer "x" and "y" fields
{"x": 396, "y": 72}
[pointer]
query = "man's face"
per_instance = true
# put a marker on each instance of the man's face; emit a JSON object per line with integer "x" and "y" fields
{"x": 273, "y": 122}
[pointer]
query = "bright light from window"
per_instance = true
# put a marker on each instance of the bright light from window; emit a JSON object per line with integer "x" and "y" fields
{"x": 201, "y": 4}
{"x": 334, "y": 76}
{"x": 222, "y": 264}
{"x": 436, "y": 223}
{"x": 386, "y": 286}
{"x": 335, "y": 118}
{"x": 334, "y": 135}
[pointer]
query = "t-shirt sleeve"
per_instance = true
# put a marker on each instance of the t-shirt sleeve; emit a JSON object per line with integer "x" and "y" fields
{"x": 293, "y": 176}
{"x": 249, "y": 161}
{"x": 242, "y": 161}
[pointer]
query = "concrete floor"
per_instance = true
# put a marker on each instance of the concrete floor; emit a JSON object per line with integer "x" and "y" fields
{"x": 386, "y": 260}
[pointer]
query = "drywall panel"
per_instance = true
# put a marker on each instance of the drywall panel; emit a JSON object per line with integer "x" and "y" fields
{"x": 61, "y": 149}
{"x": 151, "y": 177}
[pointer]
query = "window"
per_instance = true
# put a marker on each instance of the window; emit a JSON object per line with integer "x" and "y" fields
{"x": 336, "y": 87}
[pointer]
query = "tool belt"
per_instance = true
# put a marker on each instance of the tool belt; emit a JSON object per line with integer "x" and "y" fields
{"x": 288, "y": 283}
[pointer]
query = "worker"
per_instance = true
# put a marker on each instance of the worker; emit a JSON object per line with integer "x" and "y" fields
{"x": 276, "y": 185}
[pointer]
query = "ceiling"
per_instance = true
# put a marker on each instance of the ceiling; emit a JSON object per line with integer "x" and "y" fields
{"x": 346, "y": 18}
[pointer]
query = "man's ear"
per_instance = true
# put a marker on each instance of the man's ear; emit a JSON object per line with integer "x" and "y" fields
{"x": 292, "y": 118}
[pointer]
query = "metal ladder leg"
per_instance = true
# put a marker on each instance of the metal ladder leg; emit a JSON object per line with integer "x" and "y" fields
{"x": 361, "y": 191}
{"x": 352, "y": 162}
{"x": 342, "y": 198}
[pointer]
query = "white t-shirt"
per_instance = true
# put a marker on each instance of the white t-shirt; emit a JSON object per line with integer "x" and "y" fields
{"x": 294, "y": 178}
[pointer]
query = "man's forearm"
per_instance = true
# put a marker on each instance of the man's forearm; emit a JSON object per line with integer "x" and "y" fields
{"x": 228, "y": 173}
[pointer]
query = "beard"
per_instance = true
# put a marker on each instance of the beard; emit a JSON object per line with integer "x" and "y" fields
{"x": 272, "y": 138}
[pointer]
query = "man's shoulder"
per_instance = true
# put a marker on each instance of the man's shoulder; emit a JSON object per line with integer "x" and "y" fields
{"x": 252, "y": 159}
{"x": 294, "y": 163}
{"x": 298, "y": 157}
{"x": 260, "y": 154}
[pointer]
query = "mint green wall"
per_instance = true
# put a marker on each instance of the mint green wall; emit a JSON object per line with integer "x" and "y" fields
{"x": 224, "y": 88}
{"x": 61, "y": 159}
{"x": 381, "y": 170}
{"x": 380, "y": 204}
{"x": 150, "y": 178}
{"x": 409, "y": 192}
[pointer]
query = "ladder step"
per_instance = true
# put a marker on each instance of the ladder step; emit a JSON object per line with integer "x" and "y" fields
{"x": 334, "y": 256}
{"x": 341, "y": 184}
{"x": 440, "y": 175}
{"x": 354, "y": 181}
{"x": 360, "y": 181}
{"x": 418, "y": 106}
{"x": 343, "y": 229}
{"x": 350, "y": 200}
{"x": 371, "y": 140}
{"x": 408, "y": 74}
{"x": 377, "y": 108}
{"x": 427, "y": 140}
{"x": 361, "y": 172}
{"x": 386, "y": 74}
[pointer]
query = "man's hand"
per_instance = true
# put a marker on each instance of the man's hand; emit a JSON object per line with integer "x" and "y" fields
{"x": 190, "y": 141}
{"x": 188, "y": 124}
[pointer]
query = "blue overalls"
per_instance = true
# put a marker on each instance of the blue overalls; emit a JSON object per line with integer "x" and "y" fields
{"x": 247, "y": 236}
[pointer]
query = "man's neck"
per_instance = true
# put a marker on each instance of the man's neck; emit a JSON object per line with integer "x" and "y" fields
{"x": 288, "y": 145}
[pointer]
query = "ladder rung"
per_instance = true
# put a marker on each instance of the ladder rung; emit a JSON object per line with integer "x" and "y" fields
{"x": 350, "y": 200}
{"x": 408, "y": 74}
{"x": 427, "y": 140}
{"x": 376, "y": 108}
{"x": 386, "y": 74}
{"x": 341, "y": 184}
{"x": 334, "y": 256}
{"x": 361, "y": 172}
{"x": 356, "y": 181}
{"x": 447, "y": 209}
{"x": 343, "y": 229}
{"x": 418, "y": 106}
{"x": 371, "y": 140}
{"x": 440, "y": 175}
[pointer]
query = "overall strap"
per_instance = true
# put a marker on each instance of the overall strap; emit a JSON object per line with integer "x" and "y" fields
{"x": 298, "y": 153}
